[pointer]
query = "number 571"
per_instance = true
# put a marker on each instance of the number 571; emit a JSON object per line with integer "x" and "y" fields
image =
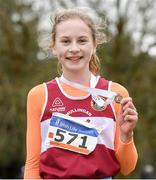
{"x": 60, "y": 137}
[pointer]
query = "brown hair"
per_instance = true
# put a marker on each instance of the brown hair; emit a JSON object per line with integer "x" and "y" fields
{"x": 96, "y": 25}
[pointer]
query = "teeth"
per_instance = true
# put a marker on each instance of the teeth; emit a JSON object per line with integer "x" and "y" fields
{"x": 74, "y": 58}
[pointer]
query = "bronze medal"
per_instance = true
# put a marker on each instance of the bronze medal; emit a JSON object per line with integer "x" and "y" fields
{"x": 118, "y": 98}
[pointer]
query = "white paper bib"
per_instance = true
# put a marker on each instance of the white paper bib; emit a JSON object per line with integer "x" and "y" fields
{"x": 69, "y": 133}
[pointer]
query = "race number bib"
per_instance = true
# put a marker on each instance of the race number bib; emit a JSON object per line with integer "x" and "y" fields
{"x": 69, "y": 133}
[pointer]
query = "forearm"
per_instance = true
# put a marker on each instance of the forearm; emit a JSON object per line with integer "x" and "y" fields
{"x": 33, "y": 154}
{"x": 31, "y": 170}
{"x": 127, "y": 156}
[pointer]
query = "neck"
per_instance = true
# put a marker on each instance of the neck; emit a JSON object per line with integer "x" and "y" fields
{"x": 78, "y": 77}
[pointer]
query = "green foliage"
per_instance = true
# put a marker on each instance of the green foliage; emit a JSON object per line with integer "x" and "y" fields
{"x": 137, "y": 73}
{"x": 20, "y": 70}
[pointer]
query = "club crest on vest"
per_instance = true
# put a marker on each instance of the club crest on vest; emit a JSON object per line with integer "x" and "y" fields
{"x": 98, "y": 103}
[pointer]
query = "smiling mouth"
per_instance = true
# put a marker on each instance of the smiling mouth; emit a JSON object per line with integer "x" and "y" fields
{"x": 74, "y": 58}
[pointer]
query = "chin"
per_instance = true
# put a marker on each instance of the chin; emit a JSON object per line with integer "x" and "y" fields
{"x": 75, "y": 69}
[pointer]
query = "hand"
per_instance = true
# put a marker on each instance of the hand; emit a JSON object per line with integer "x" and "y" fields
{"x": 128, "y": 118}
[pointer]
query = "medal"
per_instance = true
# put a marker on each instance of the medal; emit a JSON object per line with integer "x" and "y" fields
{"x": 118, "y": 98}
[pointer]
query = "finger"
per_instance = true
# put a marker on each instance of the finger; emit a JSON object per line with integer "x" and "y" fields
{"x": 129, "y": 104}
{"x": 129, "y": 111}
{"x": 125, "y": 100}
{"x": 131, "y": 118}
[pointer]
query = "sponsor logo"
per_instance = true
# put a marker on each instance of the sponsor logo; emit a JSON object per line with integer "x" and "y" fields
{"x": 57, "y": 105}
{"x": 58, "y": 109}
{"x": 57, "y": 102}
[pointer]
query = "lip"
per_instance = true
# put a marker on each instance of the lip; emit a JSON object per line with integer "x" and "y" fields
{"x": 74, "y": 58}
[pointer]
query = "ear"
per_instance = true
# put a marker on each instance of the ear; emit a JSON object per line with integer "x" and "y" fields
{"x": 94, "y": 50}
{"x": 53, "y": 50}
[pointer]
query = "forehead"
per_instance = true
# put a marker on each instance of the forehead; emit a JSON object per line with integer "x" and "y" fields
{"x": 73, "y": 27}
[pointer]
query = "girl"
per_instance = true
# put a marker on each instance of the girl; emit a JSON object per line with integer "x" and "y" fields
{"x": 79, "y": 125}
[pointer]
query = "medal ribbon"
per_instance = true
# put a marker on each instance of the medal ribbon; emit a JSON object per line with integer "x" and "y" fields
{"x": 94, "y": 92}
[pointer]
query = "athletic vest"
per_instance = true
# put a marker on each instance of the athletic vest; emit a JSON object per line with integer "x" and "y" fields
{"x": 64, "y": 164}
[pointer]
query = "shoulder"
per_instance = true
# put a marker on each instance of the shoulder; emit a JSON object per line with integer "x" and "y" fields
{"x": 36, "y": 97}
{"x": 118, "y": 88}
{"x": 37, "y": 91}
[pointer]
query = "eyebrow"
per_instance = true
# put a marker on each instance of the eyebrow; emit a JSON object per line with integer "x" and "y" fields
{"x": 83, "y": 37}
{"x": 63, "y": 37}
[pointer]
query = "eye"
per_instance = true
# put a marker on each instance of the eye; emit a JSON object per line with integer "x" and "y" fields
{"x": 65, "y": 42}
{"x": 82, "y": 41}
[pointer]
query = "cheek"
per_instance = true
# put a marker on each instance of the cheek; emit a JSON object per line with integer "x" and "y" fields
{"x": 90, "y": 51}
{"x": 60, "y": 50}
{"x": 60, "y": 54}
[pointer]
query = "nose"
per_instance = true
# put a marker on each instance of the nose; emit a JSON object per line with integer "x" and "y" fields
{"x": 74, "y": 48}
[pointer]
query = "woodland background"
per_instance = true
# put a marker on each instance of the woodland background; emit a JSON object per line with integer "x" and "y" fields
{"x": 128, "y": 58}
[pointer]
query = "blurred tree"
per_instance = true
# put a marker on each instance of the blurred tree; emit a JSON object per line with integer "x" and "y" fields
{"x": 17, "y": 48}
{"x": 20, "y": 69}
{"x": 136, "y": 71}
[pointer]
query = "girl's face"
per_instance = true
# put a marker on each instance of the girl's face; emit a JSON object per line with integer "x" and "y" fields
{"x": 74, "y": 45}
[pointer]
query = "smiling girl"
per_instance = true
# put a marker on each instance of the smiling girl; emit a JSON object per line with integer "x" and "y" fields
{"x": 79, "y": 125}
